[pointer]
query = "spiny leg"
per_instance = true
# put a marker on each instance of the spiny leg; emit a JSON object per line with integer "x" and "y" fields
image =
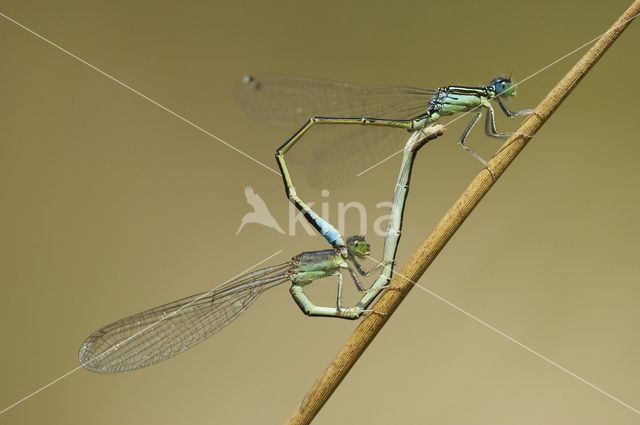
{"x": 490, "y": 126}
{"x": 329, "y": 232}
{"x": 516, "y": 114}
{"x": 464, "y": 137}
{"x": 364, "y": 272}
{"x": 354, "y": 277}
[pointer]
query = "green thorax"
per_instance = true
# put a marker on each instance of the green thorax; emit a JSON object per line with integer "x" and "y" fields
{"x": 314, "y": 265}
{"x": 451, "y": 99}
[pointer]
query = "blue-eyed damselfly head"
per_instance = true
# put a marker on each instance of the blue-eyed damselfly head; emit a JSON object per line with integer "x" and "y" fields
{"x": 503, "y": 87}
{"x": 358, "y": 246}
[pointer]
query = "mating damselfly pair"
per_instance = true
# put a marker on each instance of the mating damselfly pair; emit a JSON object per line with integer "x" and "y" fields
{"x": 154, "y": 335}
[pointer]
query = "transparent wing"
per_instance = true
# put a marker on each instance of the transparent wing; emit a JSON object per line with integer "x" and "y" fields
{"x": 333, "y": 155}
{"x": 290, "y": 101}
{"x": 154, "y": 335}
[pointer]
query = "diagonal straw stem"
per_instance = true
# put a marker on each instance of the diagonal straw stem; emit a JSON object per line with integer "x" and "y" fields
{"x": 444, "y": 230}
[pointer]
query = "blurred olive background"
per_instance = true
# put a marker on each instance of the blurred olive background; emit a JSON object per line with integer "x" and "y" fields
{"x": 110, "y": 205}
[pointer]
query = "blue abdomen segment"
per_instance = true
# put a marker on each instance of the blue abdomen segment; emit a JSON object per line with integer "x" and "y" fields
{"x": 327, "y": 230}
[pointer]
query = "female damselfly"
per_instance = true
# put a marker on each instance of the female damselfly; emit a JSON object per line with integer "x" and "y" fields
{"x": 159, "y": 333}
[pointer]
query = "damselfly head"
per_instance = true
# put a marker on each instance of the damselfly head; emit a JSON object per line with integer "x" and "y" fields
{"x": 503, "y": 87}
{"x": 358, "y": 246}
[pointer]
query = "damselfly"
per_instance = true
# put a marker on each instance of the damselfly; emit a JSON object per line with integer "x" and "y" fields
{"x": 159, "y": 333}
{"x": 279, "y": 98}
{"x": 293, "y": 100}
{"x": 156, "y": 334}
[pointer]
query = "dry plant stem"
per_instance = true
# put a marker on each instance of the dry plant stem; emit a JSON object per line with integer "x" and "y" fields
{"x": 444, "y": 230}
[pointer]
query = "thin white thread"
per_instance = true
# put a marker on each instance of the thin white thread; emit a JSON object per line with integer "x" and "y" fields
{"x": 134, "y": 335}
{"x": 531, "y": 350}
{"x": 375, "y": 165}
{"x": 172, "y": 113}
{"x": 269, "y": 168}
{"x": 114, "y": 79}
{"x": 390, "y": 156}
{"x": 462, "y": 115}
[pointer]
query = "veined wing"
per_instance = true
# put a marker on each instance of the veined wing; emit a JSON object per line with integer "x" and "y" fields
{"x": 154, "y": 335}
{"x": 330, "y": 155}
{"x": 290, "y": 101}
